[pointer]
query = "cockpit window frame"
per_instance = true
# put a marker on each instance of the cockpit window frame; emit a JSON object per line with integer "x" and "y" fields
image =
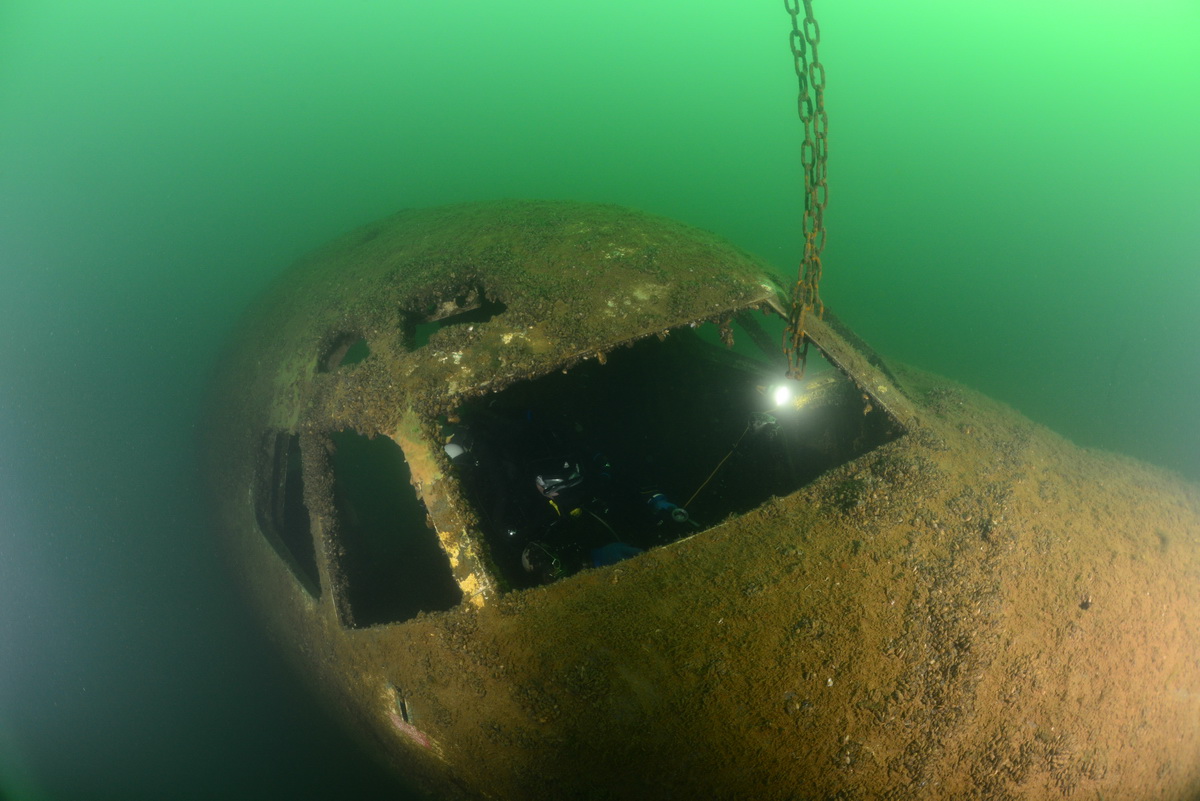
{"x": 457, "y": 523}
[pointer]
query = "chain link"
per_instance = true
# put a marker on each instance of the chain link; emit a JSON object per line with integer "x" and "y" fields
{"x": 810, "y": 105}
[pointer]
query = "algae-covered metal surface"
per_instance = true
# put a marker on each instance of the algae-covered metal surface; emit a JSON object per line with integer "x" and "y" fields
{"x": 967, "y": 606}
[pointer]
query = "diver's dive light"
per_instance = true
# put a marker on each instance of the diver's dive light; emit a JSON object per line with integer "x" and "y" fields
{"x": 781, "y": 394}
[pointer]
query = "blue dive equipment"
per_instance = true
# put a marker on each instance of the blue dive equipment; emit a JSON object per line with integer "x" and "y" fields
{"x": 662, "y": 508}
{"x": 612, "y": 553}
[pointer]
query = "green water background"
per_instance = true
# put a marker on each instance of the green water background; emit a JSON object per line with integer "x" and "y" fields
{"x": 1014, "y": 204}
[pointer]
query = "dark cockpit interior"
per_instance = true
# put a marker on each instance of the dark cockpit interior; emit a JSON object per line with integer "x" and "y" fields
{"x": 657, "y": 441}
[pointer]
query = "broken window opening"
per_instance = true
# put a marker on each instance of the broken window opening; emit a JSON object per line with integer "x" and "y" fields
{"x": 393, "y": 566}
{"x": 667, "y": 437}
{"x": 470, "y": 306}
{"x": 282, "y": 516}
{"x": 346, "y": 349}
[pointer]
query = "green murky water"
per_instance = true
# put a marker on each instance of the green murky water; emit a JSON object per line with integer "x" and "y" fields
{"x": 1015, "y": 203}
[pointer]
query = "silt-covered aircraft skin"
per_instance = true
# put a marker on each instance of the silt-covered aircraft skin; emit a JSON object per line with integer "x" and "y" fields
{"x": 947, "y": 601}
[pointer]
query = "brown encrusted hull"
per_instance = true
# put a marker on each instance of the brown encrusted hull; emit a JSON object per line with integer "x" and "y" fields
{"x": 978, "y": 609}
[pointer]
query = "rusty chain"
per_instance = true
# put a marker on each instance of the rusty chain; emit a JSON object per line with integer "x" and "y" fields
{"x": 805, "y": 37}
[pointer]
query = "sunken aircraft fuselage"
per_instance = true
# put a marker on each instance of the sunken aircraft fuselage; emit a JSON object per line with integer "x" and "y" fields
{"x": 521, "y": 489}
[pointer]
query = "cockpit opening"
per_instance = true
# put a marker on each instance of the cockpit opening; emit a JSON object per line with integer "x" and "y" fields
{"x": 279, "y": 507}
{"x": 649, "y": 444}
{"x": 388, "y": 556}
